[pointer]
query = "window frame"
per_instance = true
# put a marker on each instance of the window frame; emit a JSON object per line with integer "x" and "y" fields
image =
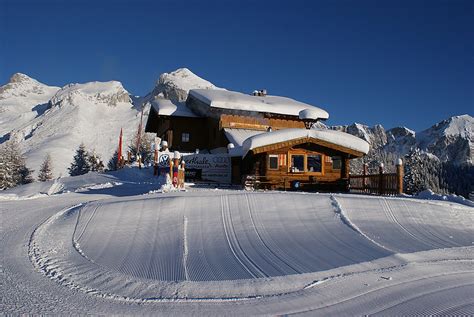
{"x": 290, "y": 162}
{"x": 332, "y": 161}
{"x": 185, "y": 137}
{"x": 305, "y": 156}
{"x": 277, "y": 162}
{"x": 321, "y": 158}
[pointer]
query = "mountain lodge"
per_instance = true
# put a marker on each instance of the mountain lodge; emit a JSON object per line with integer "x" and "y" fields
{"x": 268, "y": 138}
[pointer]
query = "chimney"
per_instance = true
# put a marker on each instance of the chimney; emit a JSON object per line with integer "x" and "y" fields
{"x": 260, "y": 93}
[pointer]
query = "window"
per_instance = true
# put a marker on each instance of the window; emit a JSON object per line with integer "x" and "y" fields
{"x": 314, "y": 163}
{"x": 336, "y": 162}
{"x": 185, "y": 137}
{"x": 297, "y": 163}
{"x": 272, "y": 162}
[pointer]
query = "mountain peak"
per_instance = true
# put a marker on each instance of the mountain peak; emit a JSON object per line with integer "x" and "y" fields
{"x": 176, "y": 84}
{"x": 111, "y": 93}
{"x": 23, "y": 86}
{"x": 20, "y": 77}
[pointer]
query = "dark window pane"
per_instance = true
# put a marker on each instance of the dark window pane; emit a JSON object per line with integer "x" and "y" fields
{"x": 336, "y": 162}
{"x": 314, "y": 163}
{"x": 273, "y": 162}
{"x": 297, "y": 163}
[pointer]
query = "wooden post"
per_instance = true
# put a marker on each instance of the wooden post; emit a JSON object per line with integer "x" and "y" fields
{"x": 399, "y": 176}
{"x": 381, "y": 187}
{"x": 183, "y": 167}
{"x": 365, "y": 173}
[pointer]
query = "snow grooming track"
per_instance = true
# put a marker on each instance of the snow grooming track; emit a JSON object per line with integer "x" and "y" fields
{"x": 418, "y": 225}
{"x": 185, "y": 249}
{"x": 232, "y": 241}
{"x": 253, "y": 222}
{"x": 340, "y": 212}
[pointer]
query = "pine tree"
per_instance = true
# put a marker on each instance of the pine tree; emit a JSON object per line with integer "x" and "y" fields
{"x": 13, "y": 169}
{"x": 80, "y": 164}
{"x": 112, "y": 165}
{"x": 45, "y": 172}
{"x": 95, "y": 162}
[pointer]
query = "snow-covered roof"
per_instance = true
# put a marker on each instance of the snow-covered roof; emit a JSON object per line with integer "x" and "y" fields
{"x": 238, "y": 136}
{"x": 165, "y": 107}
{"x": 232, "y": 100}
{"x": 309, "y": 114}
{"x": 342, "y": 139}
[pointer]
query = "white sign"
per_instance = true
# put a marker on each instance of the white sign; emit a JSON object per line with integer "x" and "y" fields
{"x": 164, "y": 159}
{"x": 214, "y": 167}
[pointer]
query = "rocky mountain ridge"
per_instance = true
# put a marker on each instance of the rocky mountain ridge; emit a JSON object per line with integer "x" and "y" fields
{"x": 449, "y": 140}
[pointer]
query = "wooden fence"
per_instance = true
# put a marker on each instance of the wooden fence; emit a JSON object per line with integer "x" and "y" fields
{"x": 380, "y": 184}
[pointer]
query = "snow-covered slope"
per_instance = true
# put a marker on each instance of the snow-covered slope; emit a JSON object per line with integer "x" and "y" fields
{"x": 176, "y": 85}
{"x": 92, "y": 113}
{"x": 21, "y": 100}
{"x": 211, "y": 252}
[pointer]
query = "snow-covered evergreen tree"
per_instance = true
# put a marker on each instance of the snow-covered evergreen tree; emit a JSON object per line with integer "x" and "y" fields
{"x": 95, "y": 162}
{"x": 13, "y": 169}
{"x": 80, "y": 164}
{"x": 46, "y": 169}
{"x": 422, "y": 171}
{"x": 146, "y": 141}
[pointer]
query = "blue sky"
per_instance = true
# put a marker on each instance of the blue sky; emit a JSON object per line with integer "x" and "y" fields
{"x": 390, "y": 62}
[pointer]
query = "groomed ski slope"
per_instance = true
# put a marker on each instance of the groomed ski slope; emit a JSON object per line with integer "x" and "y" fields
{"x": 233, "y": 252}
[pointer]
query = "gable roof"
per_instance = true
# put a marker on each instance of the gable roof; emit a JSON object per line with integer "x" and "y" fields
{"x": 345, "y": 142}
{"x": 231, "y": 100}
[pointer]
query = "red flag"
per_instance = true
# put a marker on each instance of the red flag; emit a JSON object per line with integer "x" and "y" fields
{"x": 119, "y": 152}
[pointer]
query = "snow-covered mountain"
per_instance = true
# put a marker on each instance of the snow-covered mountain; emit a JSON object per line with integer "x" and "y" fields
{"x": 21, "y": 100}
{"x": 176, "y": 85}
{"x": 449, "y": 140}
{"x": 92, "y": 113}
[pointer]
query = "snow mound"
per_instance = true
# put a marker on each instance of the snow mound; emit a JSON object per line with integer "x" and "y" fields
{"x": 430, "y": 195}
{"x": 166, "y": 107}
{"x": 310, "y": 114}
{"x": 336, "y": 137}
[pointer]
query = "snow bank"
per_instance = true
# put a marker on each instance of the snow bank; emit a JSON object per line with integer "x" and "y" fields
{"x": 238, "y": 101}
{"x": 336, "y": 137}
{"x": 430, "y": 195}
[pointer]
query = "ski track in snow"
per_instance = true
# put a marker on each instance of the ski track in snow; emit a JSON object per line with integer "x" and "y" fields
{"x": 281, "y": 253}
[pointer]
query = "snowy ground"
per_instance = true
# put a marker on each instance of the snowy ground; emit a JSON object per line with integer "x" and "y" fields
{"x": 92, "y": 247}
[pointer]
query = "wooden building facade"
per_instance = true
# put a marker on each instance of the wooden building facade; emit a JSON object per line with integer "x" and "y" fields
{"x": 299, "y": 163}
{"x": 270, "y": 142}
